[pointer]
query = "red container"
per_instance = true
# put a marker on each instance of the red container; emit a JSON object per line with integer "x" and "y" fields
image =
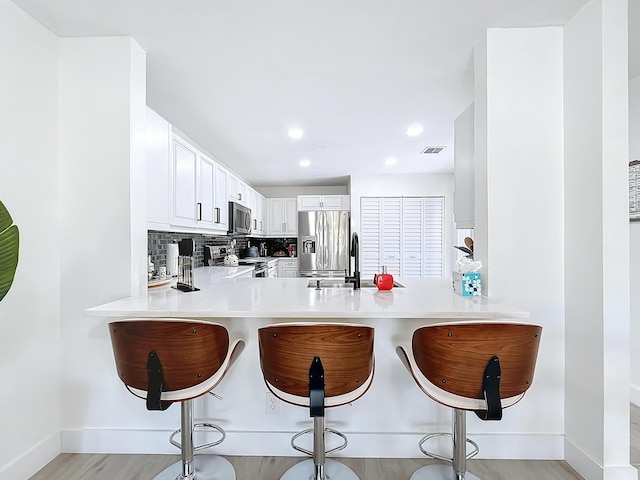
{"x": 384, "y": 280}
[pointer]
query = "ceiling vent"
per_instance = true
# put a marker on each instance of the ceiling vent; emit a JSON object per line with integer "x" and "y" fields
{"x": 432, "y": 150}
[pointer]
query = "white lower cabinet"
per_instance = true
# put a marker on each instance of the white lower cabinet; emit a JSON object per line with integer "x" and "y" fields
{"x": 273, "y": 269}
{"x": 288, "y": 268}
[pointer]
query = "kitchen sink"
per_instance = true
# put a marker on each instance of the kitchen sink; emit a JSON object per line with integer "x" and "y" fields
{"x": 340, "y": 283}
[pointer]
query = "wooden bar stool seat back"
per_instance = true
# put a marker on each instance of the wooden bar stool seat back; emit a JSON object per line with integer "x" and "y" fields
{"x": 165, "y": 361}
{"x": 317, "y": 366}
{"x": 475, "y": 366}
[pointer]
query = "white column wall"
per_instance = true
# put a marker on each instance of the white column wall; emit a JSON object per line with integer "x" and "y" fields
{"x": 597, "y": 242}
{"x": 29, "y": 313}
{"x": 102, "y": 205}
{"x": 634, "y": 241}
{"x": 519, "y": 205}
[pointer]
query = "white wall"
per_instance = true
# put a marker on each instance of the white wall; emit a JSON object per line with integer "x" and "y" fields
{"x": 30, "y": 313}
{"x": 634, "y": 240}
{"x": 102, "y": 232}
{"x": 597, "y": 241}
{"x": 294, "y": 191}
{"x": 519, "y": 200}
{"x": 407, "y": 186}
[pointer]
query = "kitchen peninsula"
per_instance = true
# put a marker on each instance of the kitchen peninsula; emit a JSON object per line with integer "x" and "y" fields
{"x": 245, "y": 304}
{"x": 223, "y": 295}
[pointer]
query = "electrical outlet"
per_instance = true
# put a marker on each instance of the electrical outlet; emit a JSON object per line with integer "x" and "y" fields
{"x": 272, "y": 404}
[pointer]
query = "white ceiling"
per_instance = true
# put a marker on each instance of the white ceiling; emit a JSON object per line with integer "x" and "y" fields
{"x": 234, "y": 75}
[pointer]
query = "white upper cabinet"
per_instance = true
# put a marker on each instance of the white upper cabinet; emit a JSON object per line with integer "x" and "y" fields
{"x": 261, "y": 214}
{"x": 199, "y": 190}
{"x": 185, "y": 165}
{"x": 323, "y": 202}
{"x": 206, "y": 181}
{"x": 188, "y": 190}
{"x": 158, "y": 158}
{"x": 220, "y": 199}
{"x": 283, "y": 216}
{"x": 237, "y": 190}
{"x": 257, "y": 204}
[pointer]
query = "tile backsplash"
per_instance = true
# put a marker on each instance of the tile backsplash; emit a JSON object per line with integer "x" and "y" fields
{"x": 157, "y": 244}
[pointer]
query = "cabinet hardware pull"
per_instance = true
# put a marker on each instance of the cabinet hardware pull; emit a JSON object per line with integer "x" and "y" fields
{"x": 239, "y": 196}
{"x": 217, "y": 209}
{"x": 284, "y": 227}
{"x": 199, "y": 211}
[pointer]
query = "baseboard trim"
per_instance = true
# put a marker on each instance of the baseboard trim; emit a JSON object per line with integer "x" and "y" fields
{"x": 361, "y": 445}
{"x": 589, "y": 468}
{"x": 635, "y": 395}
{"x": 34, "y": 459}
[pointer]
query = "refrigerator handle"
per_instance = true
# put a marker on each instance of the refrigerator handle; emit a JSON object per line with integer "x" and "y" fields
{"x": 325, "y": 248}
{"x": 319, "y": 242}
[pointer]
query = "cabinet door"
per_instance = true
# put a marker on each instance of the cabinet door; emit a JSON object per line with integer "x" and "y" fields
{"x": 251, "y": 204}
{"x": 323, "y": 202}
{"x": 335, "y": 202}
{"x": 206, "y": 181}
{"x": 370, "y": 236}
{"x": 309, "y": 202}
{"x": 433, "y": 237}
{"x": 260, "y": 214}
{"x": 291, "y": 217}
{"x": 288, "y": 268}
{"x": 243, "y": 192}
{"x": 412, "y": 235}
{"x": 276, "y": 215}
{"x": 391, "y": 221}
{"x": 220, "y": 199}
{"x": 232, "y": 188}
{"x": 185, "y": 160}
{"x": 158, "y": 158}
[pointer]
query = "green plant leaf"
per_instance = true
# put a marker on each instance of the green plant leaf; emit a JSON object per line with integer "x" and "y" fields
{"x": 9, "y": 241}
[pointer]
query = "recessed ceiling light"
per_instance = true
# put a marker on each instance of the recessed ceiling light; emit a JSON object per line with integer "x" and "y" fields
{"x": 304, "y": 163}
{"x": 390, "y": 161}
{"x": 414, "y": 130}
{"x": 295, "y": 132}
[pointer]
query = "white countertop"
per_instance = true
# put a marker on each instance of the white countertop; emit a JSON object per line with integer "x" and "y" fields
{"x": 291, "y": 298}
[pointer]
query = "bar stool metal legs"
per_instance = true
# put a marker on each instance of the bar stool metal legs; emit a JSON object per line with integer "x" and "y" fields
{"x": 209, "y": 467}
{"x": 319, "y": 467}
{"x": 457, "y": 464}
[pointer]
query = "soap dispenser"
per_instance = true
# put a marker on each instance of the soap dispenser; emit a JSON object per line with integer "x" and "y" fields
{"x": 383, "y": 280}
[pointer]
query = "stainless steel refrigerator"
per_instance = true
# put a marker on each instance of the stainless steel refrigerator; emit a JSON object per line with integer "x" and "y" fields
{"x": 323, "y": 243}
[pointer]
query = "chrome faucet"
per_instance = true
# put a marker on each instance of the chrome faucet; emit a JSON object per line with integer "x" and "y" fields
{"x": 355, "y": 252}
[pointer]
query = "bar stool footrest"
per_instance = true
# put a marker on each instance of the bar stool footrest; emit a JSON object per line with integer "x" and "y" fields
{"x": 202, "y": 427}
{"x": 428, "y": 453}
{"x": 327, "y": 452}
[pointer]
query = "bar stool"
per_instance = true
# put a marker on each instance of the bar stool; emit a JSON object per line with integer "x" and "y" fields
{"x": 470, "y": 366}
{"x": 175, "y": 360}
{"x": 317, "y": 365}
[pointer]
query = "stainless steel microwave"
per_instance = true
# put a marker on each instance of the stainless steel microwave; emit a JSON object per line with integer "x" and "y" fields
{"x": 239, "y": 219}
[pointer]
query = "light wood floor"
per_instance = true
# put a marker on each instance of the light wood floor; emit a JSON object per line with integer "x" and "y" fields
{"x": 74, "y": 466}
